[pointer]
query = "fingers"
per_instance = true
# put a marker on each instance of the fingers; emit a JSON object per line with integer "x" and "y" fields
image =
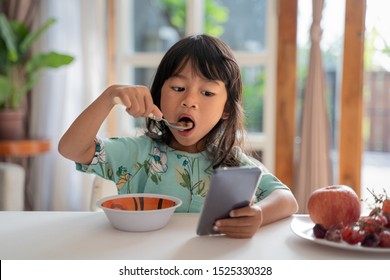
{"x": 137, "y": 100}
{"x": 235, "y": 232}
{"x": 156, "y": 112}
{"x": 244, "y": 222}
{"x": 243, "y": 227}
{"x": 251, "y": 210}
{"x": 140, "y": 101}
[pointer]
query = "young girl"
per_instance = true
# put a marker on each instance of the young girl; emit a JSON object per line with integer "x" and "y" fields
{"x": 198, "y": 82}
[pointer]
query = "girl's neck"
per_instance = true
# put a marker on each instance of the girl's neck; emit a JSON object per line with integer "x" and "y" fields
{"x": 196, "y": 148}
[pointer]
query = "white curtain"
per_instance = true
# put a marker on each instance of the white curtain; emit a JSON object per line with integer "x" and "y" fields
{"x": 62, "y": 94}
{"x": 315, "y": 165}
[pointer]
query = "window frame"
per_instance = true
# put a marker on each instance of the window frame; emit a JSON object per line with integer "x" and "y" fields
{"x": 123, "y": 60}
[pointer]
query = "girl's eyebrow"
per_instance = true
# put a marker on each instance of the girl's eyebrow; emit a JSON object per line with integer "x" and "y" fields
{"x": 184, "y": 77}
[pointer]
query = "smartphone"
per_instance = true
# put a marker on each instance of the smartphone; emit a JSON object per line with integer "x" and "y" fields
{"x": 230, "y": 188}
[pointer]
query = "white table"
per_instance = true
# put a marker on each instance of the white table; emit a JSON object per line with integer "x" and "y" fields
{"x": 89, "y": 235}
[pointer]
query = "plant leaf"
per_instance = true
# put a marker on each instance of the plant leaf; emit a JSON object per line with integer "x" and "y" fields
{"x": 5, "y": 90}
{"x": 33, "y": 36}
{"x": 8, "y": 37}
{"x": 50, "y": 59}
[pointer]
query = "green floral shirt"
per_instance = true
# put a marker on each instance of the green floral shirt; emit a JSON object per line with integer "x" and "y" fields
{"x": 141, "y": 165}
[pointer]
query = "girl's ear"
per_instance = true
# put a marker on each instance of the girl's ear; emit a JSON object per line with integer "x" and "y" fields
{"x": 225, "y": 115}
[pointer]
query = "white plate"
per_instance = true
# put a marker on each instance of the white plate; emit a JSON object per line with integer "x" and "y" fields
{"x": 303, "y": 227}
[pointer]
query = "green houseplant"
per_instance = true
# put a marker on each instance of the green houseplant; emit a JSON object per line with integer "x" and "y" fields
{"x": 19, "y": 67}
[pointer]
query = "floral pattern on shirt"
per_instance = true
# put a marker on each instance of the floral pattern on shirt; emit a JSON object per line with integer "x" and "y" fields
{"x": 158, "y": 165}
{"x": 139, "y": 165}
{"x": 98, "y": 162}
{"x": 124, "y": 177}
{"x": 100, "y": 153}
{"x": 186, "y": 177}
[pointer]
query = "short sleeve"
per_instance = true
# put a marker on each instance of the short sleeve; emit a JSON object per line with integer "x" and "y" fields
{"x": 268, "y": 182}
{"x": 99, "y": 164}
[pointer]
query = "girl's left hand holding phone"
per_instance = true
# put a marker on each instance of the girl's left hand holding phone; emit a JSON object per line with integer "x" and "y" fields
{"x": 243, "y": 222}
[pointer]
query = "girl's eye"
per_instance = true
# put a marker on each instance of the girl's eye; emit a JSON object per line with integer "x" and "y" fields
{"x": 178, "y": 89}
{"x": 207, "y": 93}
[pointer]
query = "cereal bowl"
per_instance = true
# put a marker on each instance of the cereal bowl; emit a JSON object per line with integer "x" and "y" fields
{"x": 140, "y": 211}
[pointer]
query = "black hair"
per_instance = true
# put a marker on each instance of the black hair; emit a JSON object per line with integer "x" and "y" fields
{"x": 213, "y": 59}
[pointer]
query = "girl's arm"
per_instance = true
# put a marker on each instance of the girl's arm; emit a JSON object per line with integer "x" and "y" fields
{"x": 78, "y": 142}
{"x": 277, "y": 205}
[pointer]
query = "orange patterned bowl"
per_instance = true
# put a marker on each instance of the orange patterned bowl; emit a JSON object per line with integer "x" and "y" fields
{"x": 140, "y": 211}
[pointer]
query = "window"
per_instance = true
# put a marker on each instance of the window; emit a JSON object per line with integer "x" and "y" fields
{"x": 146, "y": 29}
{"x": 375, "y": 156}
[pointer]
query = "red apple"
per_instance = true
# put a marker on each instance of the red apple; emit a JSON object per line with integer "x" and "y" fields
{"x": 334, "y": 205}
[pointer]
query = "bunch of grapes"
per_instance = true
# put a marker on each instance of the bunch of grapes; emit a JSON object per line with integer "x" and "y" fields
{"x": 370, "y": 231}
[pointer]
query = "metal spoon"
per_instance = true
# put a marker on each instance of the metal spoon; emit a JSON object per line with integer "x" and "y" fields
{"x": 178, "y": 126}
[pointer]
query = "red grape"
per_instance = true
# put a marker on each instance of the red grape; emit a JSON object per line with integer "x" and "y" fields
{"x": 370, "y": 224}
{"x": 370, "y": 240}
{"x": 319, "y": 231}
{"x": 352, "y": 235}
{"x": 333, "y": 234}
{"x": 384, "y": 238}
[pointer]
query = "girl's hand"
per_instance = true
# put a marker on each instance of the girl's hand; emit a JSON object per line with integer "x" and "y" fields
{"x": 78, "y": 142}
{"x": 137, "y": 100}
{"x": 243, "y": 222}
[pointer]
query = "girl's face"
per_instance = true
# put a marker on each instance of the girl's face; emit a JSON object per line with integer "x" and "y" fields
{"x": 192, "y": 98}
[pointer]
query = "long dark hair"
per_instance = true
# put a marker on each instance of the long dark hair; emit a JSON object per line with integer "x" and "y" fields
{"x": 214, "y": 60}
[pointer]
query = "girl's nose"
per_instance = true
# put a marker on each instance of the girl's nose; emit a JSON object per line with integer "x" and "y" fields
{"x": 190, "y": 101}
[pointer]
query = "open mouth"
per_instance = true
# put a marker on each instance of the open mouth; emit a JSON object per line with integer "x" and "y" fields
{"x": 187, "y": 122}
